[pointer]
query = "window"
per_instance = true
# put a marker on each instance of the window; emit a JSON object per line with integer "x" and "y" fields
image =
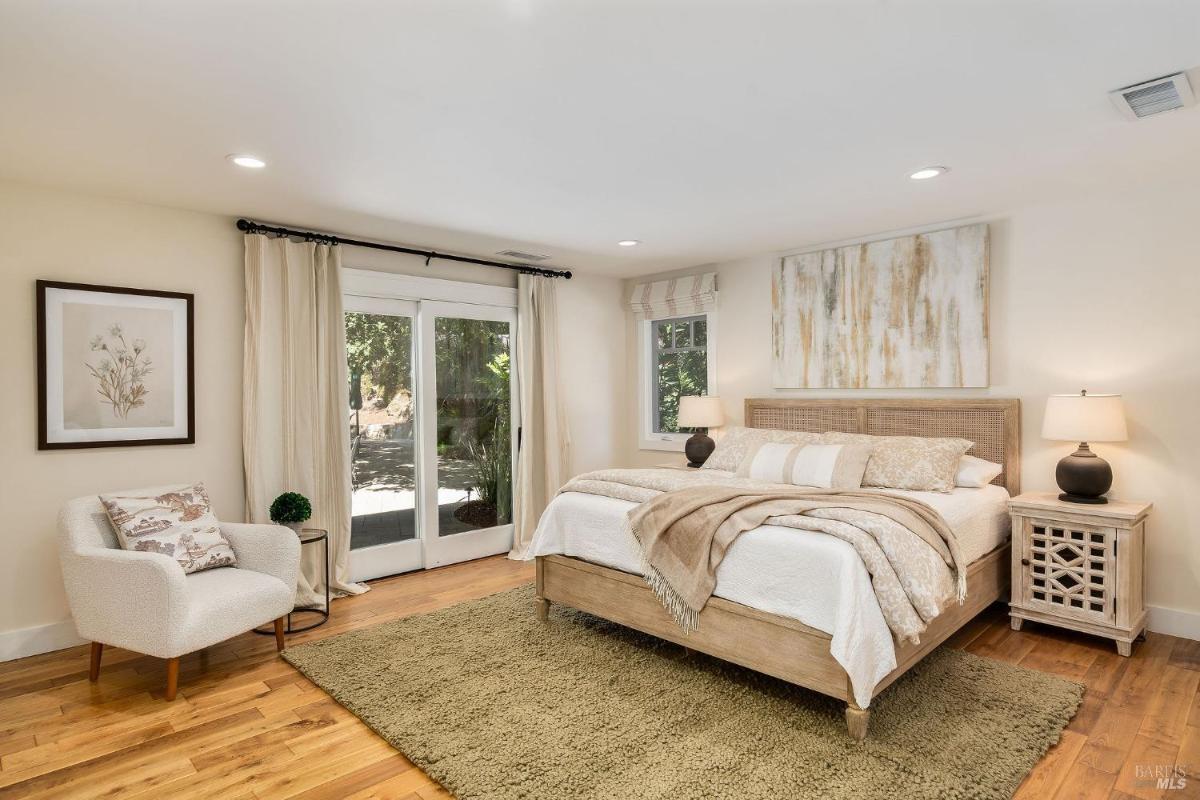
{"x": 676, "y": 362}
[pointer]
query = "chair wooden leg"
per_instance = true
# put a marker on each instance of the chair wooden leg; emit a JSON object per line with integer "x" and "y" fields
{"x": 279, "y": 642}
{"x": 94, "y": 668}
{"x": 172, "y": 677}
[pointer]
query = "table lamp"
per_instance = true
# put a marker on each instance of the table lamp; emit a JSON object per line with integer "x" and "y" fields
{"x": 700, "y": 412}
{"x": 1083, "y": 476}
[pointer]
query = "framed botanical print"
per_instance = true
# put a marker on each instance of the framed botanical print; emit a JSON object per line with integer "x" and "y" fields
{"x": 114, "y": 366}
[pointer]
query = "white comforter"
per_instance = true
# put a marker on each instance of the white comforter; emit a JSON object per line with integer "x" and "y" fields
{"x": 808, "y": 576}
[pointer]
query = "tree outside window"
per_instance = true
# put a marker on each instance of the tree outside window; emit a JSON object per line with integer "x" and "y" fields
{"x": 680, "y": 364}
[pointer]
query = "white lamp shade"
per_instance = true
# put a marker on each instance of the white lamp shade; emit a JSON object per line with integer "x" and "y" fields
{"x": 1085, "y": 418}
{"x": 700, "y": 412}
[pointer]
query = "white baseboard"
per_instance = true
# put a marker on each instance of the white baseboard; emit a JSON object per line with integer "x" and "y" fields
{"x": 1173, "y": 621}
{"x": 40, "y": 639}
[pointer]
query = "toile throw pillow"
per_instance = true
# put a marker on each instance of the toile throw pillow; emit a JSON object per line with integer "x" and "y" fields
{"x": 178, "y": 523}
{"x": 921, "y": 463}
{"x": 736, "y": 442}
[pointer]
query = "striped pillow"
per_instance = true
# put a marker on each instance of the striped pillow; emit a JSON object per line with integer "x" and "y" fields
{"x": 735, "y": 442}
{"x": 823, "y": 466}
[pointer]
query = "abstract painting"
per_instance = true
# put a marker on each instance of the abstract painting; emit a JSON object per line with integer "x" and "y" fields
{"x": 910, "y": 312}
{"x": 114, "y": 366}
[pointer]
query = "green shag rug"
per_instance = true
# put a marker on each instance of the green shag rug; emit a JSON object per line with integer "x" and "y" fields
{"x": 493, "y": 704}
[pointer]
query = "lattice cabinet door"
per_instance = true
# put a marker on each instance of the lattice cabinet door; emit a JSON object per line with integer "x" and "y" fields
{"x": 1079, "y": 566}
{"x": 1069, "y": 569}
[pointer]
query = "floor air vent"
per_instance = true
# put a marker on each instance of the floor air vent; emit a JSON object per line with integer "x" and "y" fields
{"x": 1154, "y": 97}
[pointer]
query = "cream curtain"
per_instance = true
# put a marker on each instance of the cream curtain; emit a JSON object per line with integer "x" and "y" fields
{"x": 295, "y": 431}
{"x": 544, "y": 458}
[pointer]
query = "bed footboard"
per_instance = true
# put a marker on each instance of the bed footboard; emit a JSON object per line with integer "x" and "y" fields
{"x": 778, "y": 646}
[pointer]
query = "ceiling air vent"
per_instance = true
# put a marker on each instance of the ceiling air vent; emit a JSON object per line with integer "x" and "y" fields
{"x": 1154, "y": 97}
{"x": 522, "y": 256}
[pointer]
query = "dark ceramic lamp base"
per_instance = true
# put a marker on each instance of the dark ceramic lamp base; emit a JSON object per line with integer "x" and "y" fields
{"x": 1084, "y": 477}
{"x": 698, "y": 449}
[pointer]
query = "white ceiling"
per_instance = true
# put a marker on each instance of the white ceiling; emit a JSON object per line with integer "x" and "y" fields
{"x": 709, "y": 130}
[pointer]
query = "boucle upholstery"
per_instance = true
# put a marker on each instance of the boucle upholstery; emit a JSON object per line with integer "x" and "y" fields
{"x": 144, "y": 602}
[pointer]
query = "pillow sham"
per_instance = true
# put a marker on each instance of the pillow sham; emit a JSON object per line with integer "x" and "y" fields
{"x": 975, "y": 473}
{"x": 736, "y": 441}
{"x": 921, "y": 463}
{"x": 178, "y": 522}
{"x": 824, "y": 466}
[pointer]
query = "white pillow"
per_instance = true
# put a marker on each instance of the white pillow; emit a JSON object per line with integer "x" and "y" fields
{"x": 975, "y": 473}
{"x": 823, "y": 466}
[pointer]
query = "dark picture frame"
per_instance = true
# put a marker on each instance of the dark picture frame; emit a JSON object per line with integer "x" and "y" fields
{"x": 51, "y": 435}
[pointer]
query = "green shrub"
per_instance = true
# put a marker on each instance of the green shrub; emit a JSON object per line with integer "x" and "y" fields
{"x": 490, "y": 452}
{"x": 290, "y": 508}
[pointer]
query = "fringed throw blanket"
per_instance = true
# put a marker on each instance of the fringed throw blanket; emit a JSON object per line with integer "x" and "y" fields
{"x": 686, "y": 522}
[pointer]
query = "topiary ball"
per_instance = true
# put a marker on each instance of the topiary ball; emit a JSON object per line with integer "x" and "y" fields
{"x": 290, "y": 508}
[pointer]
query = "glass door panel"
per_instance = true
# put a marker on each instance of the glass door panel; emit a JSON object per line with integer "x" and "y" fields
{"x": 384, "y": 527}
{"x": 466, "y": 357}
{"x": 474, "y": 430}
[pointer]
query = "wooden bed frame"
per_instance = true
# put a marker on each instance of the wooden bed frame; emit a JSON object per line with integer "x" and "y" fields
{"x": 783, "y": 647}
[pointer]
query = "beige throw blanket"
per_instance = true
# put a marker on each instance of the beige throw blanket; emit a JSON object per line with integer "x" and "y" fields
{"x": 686, "y": 522}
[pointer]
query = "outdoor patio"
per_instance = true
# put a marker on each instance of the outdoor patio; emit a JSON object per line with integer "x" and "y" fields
{"x": 384, "y": 499}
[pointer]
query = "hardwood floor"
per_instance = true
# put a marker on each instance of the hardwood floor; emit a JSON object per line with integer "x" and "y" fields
{"x": 247, "y": 725}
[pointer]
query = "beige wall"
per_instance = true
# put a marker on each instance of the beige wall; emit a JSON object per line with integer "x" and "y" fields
{"x": 1098, "y": 293}
{"x": 58, "y": 235}
{"x": 591, "y": 316}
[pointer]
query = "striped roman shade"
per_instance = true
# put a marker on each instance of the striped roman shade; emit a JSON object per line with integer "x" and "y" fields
{"x": 676, "y": 297}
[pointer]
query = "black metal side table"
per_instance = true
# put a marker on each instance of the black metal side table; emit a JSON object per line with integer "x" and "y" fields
{"x": 308, "y": 536}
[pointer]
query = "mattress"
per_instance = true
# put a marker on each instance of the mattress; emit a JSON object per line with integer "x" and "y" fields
{"x": 804, "y": 575}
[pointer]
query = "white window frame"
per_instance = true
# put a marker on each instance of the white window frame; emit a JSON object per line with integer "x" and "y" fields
{"x": 648, "y": 439}
{"x": 372, "y": 283}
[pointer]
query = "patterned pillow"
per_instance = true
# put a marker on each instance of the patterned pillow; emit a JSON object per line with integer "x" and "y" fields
{"x": 178, "y": 523}
{"x": 908, "y": 462}
{"x": 736, "y": 442}
{"x": 824, "y": 466}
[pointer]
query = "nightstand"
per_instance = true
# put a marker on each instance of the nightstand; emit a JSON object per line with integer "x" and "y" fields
{"x": 675, "y": 465}
{"x": 1079, "y": 566}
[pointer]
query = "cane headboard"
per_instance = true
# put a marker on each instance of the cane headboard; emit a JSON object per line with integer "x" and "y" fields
{"x": 994, "y": 425}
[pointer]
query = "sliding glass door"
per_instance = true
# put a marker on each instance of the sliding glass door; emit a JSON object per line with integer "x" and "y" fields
{"x": 468, "y": 437}
{"x": 431, "y": 403}
{"x": 385, "y": 534}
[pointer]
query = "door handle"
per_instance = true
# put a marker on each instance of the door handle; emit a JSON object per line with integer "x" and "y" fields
{"x": 1025, "y": 562}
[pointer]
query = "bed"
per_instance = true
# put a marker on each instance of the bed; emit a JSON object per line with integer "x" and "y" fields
{"x": 799, "y": 607}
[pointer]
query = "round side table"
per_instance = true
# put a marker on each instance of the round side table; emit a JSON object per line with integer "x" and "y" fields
{"x": 308, "y": 536}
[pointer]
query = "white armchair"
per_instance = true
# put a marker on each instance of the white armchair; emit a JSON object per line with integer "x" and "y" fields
{"x": 146, "y": 603}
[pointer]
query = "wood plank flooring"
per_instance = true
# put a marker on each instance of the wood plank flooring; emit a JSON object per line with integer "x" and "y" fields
{"x": 247, "y": 725}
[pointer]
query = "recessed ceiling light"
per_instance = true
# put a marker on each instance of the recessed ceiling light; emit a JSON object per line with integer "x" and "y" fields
{"x": 249, "y": 162}
{"x": 925, "y": 173}
{"x": 629, "y": 242}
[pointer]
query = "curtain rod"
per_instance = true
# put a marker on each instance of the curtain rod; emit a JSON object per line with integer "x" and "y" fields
{"x": 249, "y": 226}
